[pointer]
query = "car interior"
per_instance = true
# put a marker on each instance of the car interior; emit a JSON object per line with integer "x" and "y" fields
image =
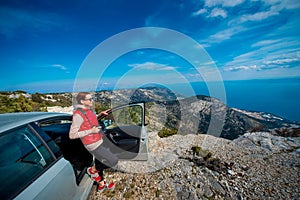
{"x": 72, "y": 150}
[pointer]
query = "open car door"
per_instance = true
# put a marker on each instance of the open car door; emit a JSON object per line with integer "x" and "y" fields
{"x": 125, "y": 131}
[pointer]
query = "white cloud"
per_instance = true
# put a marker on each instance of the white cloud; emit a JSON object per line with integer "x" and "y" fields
{"x": 225, "y": 34}
{"x": 264, "y": 43}
{"x": 152, "y": 66}
{"x": 218, "y": 12}
{"x": 275, "y": 8}
{"x": 269, "y": 56}
{"x": 231, "y": 3}
{"x": 284, "y": 52}
{"x": 215, "y": 12}
{"x": 59, "y": 66}
{"x": 243, "y": 67}
{"x": 256, "y": 16}
{"x": 200, "y": 12}
{"x": 278, "y": 72}
{"x": 227, "y": 3}
{"x": 283, "y": 4}
{"x": 282, "y": 61}
{"x": 235, "y": 25}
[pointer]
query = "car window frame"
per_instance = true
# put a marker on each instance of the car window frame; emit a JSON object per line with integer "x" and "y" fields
{"x": 143, "y": 145}
{"x": 36, "y": 129}
{"x": 30, "y": 127}
{"x": 68, "y": 118}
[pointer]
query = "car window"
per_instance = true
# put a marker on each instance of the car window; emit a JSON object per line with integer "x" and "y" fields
{"x": 126, "y": 116}
{"x": 72, "y": 149}
{"x": 23, "y": 157}
{"x": 54, "y": 132}
{"x": 57, "y": 129}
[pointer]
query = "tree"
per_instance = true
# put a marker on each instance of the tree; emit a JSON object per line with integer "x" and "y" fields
{"x": 37, "y": 98}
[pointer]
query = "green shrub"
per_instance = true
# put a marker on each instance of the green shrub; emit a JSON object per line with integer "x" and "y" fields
{"x": 158, "y": 193}
{"x": 37, "y": 98}
{"x": 127, "y": 195}
{"x": 196, "y": 150}
{"x": 201, "y": 152}
{"x": 37, "y": 102}
{"x": 20, "y": 104}
{"x": 99, "y": 107}
{"x": 166, "y": 132}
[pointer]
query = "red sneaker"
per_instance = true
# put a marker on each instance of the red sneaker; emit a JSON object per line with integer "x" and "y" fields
{"x": 106, "y": 186}
{"x": 93, "y": 174}
{"x": 110, "y": 186}
{"x": 102, "y": 188}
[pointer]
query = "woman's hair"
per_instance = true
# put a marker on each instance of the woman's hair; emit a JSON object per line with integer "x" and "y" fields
{"x": 81, "y": 96}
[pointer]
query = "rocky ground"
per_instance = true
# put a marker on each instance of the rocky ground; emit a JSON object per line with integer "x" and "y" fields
{"x": 254, "y": 166}
{"x": 60, "y": 109}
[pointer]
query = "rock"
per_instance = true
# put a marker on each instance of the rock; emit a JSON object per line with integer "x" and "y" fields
{"x": 60, "y": 109}
{"x": 231, "y": 172}
{"x": 254, "y": 166}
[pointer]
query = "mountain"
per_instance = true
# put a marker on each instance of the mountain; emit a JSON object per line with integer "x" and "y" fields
{"x": 148, "y": 94}
{"x": 166, "y": 112}
{"x": 202, "y": 109}
{"x": 253, "y": 158}
{"x": 200, "y": 114}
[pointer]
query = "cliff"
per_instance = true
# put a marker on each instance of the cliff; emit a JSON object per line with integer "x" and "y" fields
{"x": 255, "y": 166}
{"x": 167, "y": 111}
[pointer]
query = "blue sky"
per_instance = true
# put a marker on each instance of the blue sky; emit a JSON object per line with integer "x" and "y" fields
{"x": 44, "y": 43}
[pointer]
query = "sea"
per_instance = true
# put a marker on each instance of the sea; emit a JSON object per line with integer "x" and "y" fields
{"x": 280, "y": 97}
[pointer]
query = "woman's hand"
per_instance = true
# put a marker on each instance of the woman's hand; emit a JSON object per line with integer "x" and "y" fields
{"x": 95, "y": 129}
{"x": 105, "y": 112}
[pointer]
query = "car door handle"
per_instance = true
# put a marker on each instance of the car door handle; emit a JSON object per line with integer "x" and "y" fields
{"x": 111, "y": 136}
{"x": 115, "y": 134}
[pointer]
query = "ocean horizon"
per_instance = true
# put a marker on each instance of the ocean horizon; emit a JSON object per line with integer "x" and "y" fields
{"x": 280, "y": 97}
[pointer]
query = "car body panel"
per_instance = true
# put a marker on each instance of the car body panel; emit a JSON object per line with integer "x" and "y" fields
{"x": 56, "y": 181}
{"x": 49, "y": 150}
{"x": 9, "y": 120}
{"x": 59, "y": 181}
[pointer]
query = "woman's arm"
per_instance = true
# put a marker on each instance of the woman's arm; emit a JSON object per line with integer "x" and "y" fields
{"x": 74, "y": 132}
{"x": 104, "y": 113}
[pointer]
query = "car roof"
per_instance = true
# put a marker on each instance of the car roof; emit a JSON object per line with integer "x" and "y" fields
{"x": 11, "y": 120}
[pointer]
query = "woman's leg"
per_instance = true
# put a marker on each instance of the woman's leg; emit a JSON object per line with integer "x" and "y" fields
{"x": 107, "y": 158}
{"x": 104, "y": 159}
{"x": 99, "y": 167}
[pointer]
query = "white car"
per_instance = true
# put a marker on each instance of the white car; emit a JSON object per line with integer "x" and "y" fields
{"x": 39, "y": 161}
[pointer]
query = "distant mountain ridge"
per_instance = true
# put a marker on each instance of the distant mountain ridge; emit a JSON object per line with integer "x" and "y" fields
{"x": 173, "y": 112}
{"x": 198, "y": 110}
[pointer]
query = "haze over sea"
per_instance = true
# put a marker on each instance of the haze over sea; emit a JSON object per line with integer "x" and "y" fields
{"x": 280, "y": 97}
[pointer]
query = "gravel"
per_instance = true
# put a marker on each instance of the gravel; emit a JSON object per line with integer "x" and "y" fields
{"x": 254, "y": 166}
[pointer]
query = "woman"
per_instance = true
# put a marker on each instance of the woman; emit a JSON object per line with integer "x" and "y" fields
{"x": 85, "y": 126}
